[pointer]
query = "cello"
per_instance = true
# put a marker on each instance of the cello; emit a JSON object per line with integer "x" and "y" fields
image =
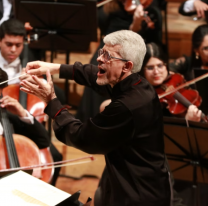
{"x": 31, "y": 101}
{"x": 15, "y": 150}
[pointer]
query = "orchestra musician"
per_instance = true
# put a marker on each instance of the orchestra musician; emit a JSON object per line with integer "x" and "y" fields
{"x": 12, "y": 33}
{"x": 155, "y": 70}
{"x": 199, "y": 55}
{"x": 129, "y": 132}
{"x": 23, "y": 122}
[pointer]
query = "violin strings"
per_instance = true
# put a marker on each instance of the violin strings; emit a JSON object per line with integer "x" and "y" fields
{"x": 9, "y": 140}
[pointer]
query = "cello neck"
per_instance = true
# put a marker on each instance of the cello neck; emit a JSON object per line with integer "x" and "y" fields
{"x": 11, "y": 150}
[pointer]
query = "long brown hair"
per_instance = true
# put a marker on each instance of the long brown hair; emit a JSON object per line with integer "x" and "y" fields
{"x": 111, "y": 7}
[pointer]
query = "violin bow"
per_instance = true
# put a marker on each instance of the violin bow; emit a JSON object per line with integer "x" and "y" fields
{"x": 103, "y": 3}
{"x": 183, "y": 85}
{"x": 50, "y": 165}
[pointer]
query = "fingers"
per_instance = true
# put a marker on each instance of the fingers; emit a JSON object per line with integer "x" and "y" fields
{"x": 9, "y": 101}
{"x": 37, "y": 83}
{"x": 33, "y": 68}
{"x": 48, "y": 75}
{"x": 28, "y": 91}
{"x": 193, "y": 113}
{"x": 200, "y": 7}
{"x": 38, "y": 68}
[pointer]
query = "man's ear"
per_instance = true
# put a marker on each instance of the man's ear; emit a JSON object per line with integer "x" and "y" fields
{"x": 128, "y": 66}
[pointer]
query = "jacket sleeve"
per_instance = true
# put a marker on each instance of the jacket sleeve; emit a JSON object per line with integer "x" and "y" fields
{"x": 182, "y": 12}
{"x": 36, "y": 132}
{"x": 85, "y": 75}
{"x": 99, "y": 135}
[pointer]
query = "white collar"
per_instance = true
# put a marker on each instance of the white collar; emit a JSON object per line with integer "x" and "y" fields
{"x": 4, "y": 63}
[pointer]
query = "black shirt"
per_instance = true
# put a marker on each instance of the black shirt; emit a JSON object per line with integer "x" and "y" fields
{"x": 129, "y": 132}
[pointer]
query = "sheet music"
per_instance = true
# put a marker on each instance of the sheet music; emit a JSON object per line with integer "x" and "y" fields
{"x": 21, "y": 189}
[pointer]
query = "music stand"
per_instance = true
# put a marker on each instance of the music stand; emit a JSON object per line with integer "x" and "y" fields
{"x": 68, "y": 25}
{"x": 61, "y": 24}
{"x": 187, "y": 151}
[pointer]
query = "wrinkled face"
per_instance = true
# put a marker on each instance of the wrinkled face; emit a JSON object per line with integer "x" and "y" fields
{"x": 110, "y": 72}
{"x": 203, "y": 50}
{"x": 155, "y": 71}
{"x": 11, "y": 47}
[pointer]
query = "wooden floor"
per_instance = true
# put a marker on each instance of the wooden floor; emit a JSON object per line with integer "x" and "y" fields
{"x": 180, "y": 29}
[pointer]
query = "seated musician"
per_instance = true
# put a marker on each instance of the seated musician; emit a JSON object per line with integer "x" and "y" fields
{"x": 199, "y": 55}
{"x": 191, "y": 7}
{"x": 155, "y": 70}
{"x": 12, "y": 34}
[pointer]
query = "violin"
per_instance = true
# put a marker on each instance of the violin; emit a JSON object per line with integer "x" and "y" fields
{"x": 179, "y": 100}
{"x": 130, "y": 5}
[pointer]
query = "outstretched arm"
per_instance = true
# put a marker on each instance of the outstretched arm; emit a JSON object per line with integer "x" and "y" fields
{"x": 39, "y": 68}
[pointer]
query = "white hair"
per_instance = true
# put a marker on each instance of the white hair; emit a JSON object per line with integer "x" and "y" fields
{"x": 132, "y": 46}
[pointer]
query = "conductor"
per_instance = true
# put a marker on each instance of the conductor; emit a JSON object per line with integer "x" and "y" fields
{"x": 129, "y": 132}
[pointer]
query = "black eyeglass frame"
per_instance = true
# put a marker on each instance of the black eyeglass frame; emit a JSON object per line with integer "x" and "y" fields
{"x": 109, "y": 56}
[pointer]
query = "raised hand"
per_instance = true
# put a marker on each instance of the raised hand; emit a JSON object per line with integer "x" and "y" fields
{"x": 193, "y": 114}
{"x": 200, "y": 7}
{"x": 39, "y": 68}
{"x": 45, "y": 91}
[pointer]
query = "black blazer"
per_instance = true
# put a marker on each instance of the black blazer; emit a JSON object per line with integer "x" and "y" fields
{"x": 36, "y": 132}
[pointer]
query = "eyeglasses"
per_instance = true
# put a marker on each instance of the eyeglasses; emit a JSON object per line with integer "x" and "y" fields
{"x": 159, "y": 66}
{"x": 107, "y": 56}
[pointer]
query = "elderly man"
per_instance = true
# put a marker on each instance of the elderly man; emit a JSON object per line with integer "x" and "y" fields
{"x": 129, "y": 132}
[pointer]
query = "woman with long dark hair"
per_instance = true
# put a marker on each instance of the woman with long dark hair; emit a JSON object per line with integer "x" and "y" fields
{"x": 199, "y": 54}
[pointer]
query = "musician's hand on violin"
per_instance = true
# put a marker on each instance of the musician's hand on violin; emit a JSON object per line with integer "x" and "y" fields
{"x": 200, "y": 7}
{"x": 45, "y": 91}
{"x": 137, "y": 19}
{"x": 193, "y": 114}
{"x": 39, "y": 68}
{"x": 13, "y": 106}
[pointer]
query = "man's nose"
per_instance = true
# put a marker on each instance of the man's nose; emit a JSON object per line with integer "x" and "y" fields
{"x": 100, "y": 58}
{"x": 13, "y": 48}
